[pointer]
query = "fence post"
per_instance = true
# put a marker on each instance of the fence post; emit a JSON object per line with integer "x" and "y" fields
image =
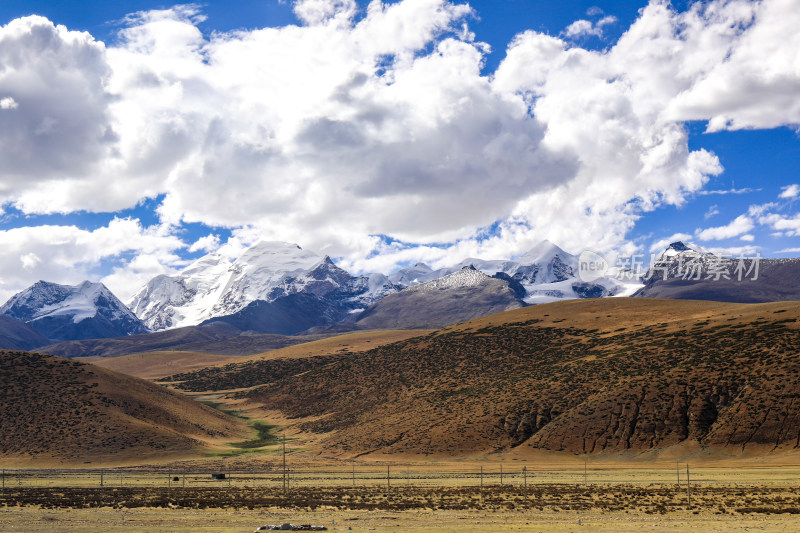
{"x": 388, "y": 479}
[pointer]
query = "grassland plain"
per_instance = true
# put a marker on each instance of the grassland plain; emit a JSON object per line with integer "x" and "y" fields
{"x": 394, "y": 438}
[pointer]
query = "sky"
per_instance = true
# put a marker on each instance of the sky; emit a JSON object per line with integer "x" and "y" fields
{"x": 138, "y": 136}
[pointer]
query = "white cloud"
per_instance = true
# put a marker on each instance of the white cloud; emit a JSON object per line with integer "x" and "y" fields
{"x": 789, "y": 251}
{"x": 8, "y": 103}
{"x": 736, "y": 251}
{"x": 747, "y": 238}
{"x": 661, "y": 245}
{"x": 30, "y": 260}
{"x": 738, "y": 226}
{"x": 67, "y": 254}
{"x": 744, "y": 190}
{"x": 582, "y": 28}
{"x": 209, "y": 243}
{"x": 790, "y": 191}
{"x": 788, "y": 225}
{"x": 754, "y": 80}
{"x": 349, "y": 127}
{"x": 712, "y": 212}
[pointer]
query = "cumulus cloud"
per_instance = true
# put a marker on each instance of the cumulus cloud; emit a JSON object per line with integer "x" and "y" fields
{"x": 8, "y": 103}
{"x": 353, "y": 127}
{"x": 583, "y": 28}
{"x": 790, "y": 191}
{"x": 68, "y": 254}
{"x": 755, "y": 81}
{"x": 209, "y": 243}
{"x": 738, "y": 226}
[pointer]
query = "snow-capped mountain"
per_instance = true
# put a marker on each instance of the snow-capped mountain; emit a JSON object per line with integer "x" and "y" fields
{"x": 546, "y": 272}
{"x": 680, "y": 260}
{"x": 266, "y": 272}
{"x": 687, "y": 271}
{"x": 65, "y": 312}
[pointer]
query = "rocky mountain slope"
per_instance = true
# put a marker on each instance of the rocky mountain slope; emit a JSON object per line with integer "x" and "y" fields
{"x": 462, "y": 295}
{"x": 583, "y": 376}
{"x": 17, "y": 335}
{"x": 214, "y": 338}
{"x": 62, "y": 410}
{"x": 546, "y": 273}
{"x": 685, "y": 271}
{"x": 64, "y": 312}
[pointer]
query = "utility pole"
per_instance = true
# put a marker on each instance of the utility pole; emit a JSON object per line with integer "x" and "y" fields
{"x": 585, "y": 466}
{"x": 101, "y": 478}
{"x": 688, "y": 486}
{"x": 525, "y": 481}
{"x": 501, "y": 474}
{"x": 481, "y": 484}
{"x": 354, "y": 473}
{"x": 284, "y": 464}
{"x": 388, "y": 479}
{"x": 678, "y": 472}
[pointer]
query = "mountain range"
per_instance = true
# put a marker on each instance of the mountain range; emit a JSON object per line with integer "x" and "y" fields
{"x": 688, "y": 272}
{"x": 276, "y": 288}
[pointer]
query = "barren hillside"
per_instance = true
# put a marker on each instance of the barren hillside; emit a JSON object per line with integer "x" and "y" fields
{"x": 593, "y": 376}
{"x": 72, "y": 412}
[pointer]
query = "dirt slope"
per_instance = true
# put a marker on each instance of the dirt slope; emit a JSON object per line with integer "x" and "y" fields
{"x": 72, "y": 412}
{"x": 588, "y": 376}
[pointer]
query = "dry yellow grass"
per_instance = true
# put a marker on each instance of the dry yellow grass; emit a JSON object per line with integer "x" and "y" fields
{"x": 350, "y": 342}
{"x": 610, "y": 314}
{"x": 154, "y": 365}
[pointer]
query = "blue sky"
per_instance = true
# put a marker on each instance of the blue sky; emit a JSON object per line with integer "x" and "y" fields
{"x": 187, "y": 143}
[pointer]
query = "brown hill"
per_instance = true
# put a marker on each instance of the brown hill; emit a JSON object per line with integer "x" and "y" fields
{"x": 585, "y": 376}
{"x": 268, "y": 367}
{"x": 152, "y": 365}
{"x": 65, "y": 411}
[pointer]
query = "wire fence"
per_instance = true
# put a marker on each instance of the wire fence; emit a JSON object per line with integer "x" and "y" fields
{"x": 396, "y": 476}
